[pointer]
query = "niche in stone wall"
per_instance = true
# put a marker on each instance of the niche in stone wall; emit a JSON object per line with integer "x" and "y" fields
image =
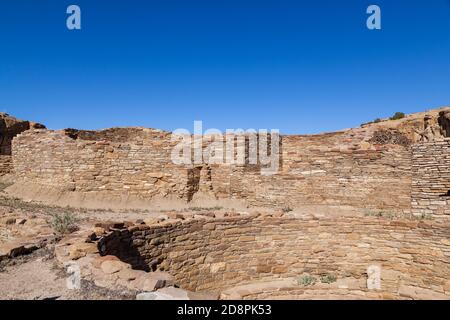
{"x": 193, "y": 182}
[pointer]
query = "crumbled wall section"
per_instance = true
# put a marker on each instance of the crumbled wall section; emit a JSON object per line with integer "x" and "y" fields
{"x": 9, "y": 128}
{"x": 216, "y": 253}
{"x": 327, "y": 169}
{"x": 431, "y": 178}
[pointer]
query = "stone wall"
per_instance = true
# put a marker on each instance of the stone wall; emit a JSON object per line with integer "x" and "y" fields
{"x": 138, "y": 167}
{"x": 431, "y": 178}
{"x": 218, "y": 253}
{"x": 332, "y": 169}
{"x": 329, "y": 169}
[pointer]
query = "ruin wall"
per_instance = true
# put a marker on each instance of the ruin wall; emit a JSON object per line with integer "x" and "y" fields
{"x": 330, "y": 169}
{"x": 140, "y": 167}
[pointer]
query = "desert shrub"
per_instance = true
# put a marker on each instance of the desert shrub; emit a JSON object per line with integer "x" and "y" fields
{"x": 380, "y": 213}
{"x": 422, "y": 216}
{"x": 397, "y": 115}
{"x": 373, "y": 213}
{"x": 287, "y": 209}
{"x": 377, "y": 120}
{"x": 64, "y": 223}
{"x": 205, "y": 208}
{"x": 328, "y": 278}
{"x": 306, "y": 280}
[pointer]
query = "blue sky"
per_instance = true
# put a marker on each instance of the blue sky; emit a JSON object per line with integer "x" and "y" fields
{"x": 297, "y": 66}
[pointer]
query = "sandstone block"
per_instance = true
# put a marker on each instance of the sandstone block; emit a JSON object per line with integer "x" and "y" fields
{"x": 128, "y": 274}
{"x": 216, "y": 267}
{"x": 151, "y": 221}
{"x": 263, "y": 269}
{"x": 99, "y": 231}
{"x": 76, "y": 254}
{"x": 112, "y": 266}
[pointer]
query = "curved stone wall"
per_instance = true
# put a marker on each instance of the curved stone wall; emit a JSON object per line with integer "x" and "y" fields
{"x": 222, "y": 253}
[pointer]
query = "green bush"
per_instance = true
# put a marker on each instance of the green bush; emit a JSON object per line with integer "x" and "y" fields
{"x": 306, "y": 280}
{"x": 377, "y": 120}
{"x": 64, "y": 223}
{"x": 398, "y": 115}
{"x": 328, "y": 278}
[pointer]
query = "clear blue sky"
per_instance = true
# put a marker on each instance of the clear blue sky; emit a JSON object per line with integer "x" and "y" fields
{"x": 298, "y": 66}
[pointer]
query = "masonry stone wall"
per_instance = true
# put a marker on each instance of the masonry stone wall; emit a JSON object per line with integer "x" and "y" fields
{"x": 334, "y": 169}
{"x": 218, "y": 253}
{"x": 138, "y": 166}
{"x": 326, "y": 169}
{"x": 431, "y": 178}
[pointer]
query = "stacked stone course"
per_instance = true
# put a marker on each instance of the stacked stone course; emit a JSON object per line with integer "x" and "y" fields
{"x": 431, "y": 178}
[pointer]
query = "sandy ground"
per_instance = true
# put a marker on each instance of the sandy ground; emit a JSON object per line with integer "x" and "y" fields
{"x": 37, "y": 277}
